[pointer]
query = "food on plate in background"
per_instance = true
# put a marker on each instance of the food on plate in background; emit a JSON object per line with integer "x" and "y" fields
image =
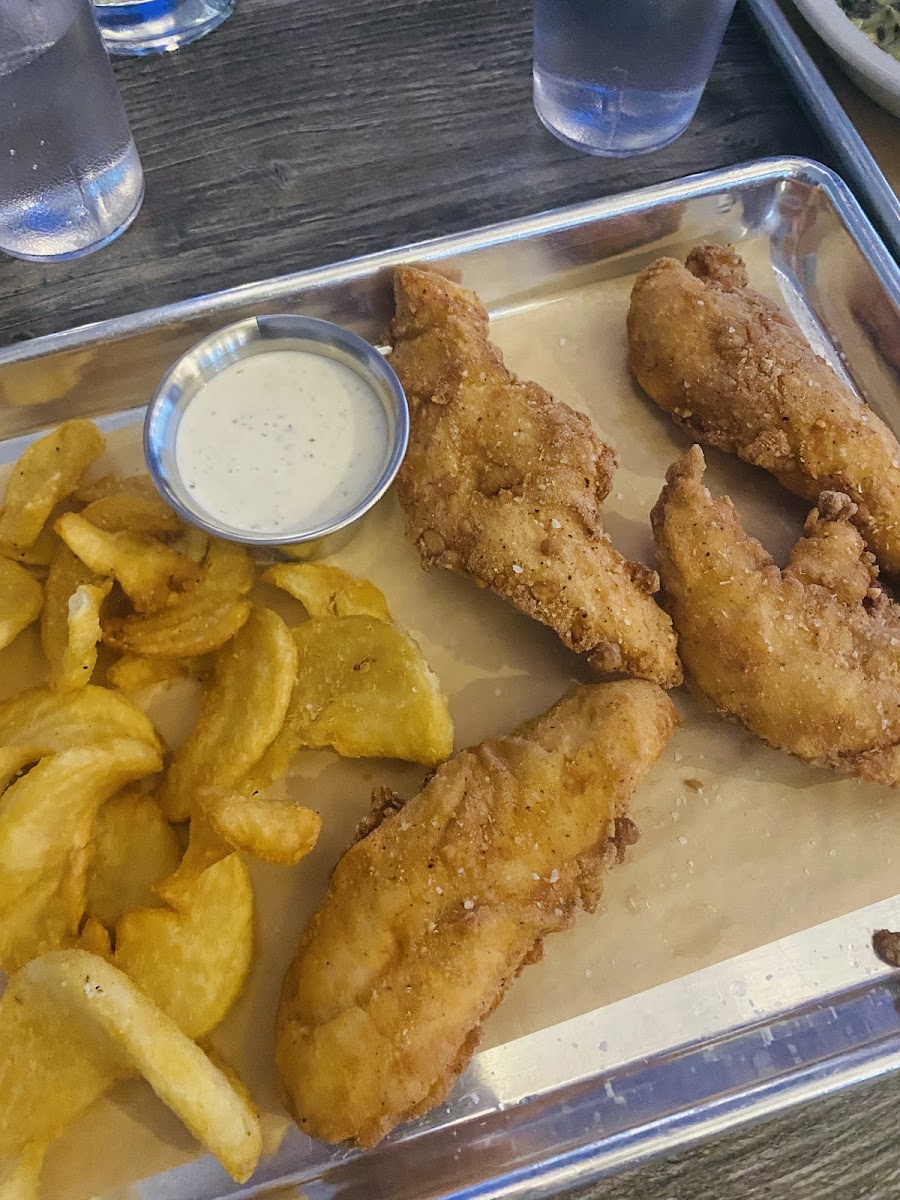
{"x": 72, "y": 1025}
{"x": 733, "y": 368}
{"x": 808, "y": 658}
{"x": 879, "y": 21}
{"x": 503, "y": 483}
{"x": 434, "y": 912}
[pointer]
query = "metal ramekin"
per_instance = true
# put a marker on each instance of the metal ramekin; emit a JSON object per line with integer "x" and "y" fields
{"x": 241, "y": 340}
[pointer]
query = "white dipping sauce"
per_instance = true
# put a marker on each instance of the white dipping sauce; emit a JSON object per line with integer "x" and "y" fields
{"x": 281, "y": 441}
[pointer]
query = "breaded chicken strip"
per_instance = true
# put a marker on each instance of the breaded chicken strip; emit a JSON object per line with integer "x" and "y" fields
{"x": 808, "y": 658}
{"x": 504, "y": 484}
{"x": 431, "y": 916}
{"x": 733, "y": 368}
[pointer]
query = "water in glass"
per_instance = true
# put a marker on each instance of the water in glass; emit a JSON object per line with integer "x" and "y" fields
{"x": 70, "y": 176}
{"x": 621, "y": 77}
{"x": 150, "y": 26}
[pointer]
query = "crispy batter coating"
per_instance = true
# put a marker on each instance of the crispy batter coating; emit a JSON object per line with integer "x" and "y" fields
{"x": 808, "y": 658}
{"x": 431, "y": 916}
{"x": 733, "y": 368}
{"x": 504, "y": 484}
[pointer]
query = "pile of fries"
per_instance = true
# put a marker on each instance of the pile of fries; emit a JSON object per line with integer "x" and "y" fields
{"x": 126, "y": 909}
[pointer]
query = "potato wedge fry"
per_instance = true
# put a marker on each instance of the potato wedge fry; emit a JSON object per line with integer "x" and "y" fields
{"x": 87, "y": 1024}
{"x": 193, "y": 960}
{"x": 67, "y": 574}
{"x": 80, "y": 654}
{"x": 146, "y": 570}
{"x": 48, "y": 722}
{"x": 112, "y": 485}
{"x": 21, "y": 597}
{"x": 134, "y": 848}
{"x": 49, "y": 1073}
{"x": 205, "y": 848}
{"x": 96, "y": 938}
{"x": 364, "y": 688}
{"x": 21, "y": 1178}
{"x": 241, "y": 714}
{"x": 47, "y": 472}
{"x": 131, "y": 672}
{"x": 200, "y": 620}
{"x": 38, "y": 554}
{"x": 276, "y": 831}
{"x": 134, "y": 512}
{"x": 327, "y": 591}
{"x": 46, "y": 818}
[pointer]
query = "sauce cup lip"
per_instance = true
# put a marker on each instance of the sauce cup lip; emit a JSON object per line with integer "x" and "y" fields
{"x": 220, "y": 350}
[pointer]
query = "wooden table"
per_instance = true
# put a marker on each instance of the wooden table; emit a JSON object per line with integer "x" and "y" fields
{"x": 302, "y": 133}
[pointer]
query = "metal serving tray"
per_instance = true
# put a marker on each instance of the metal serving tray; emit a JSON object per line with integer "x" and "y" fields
{"x": 737, "y": 1040}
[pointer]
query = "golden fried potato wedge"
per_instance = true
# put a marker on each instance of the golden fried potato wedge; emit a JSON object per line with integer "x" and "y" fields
{"x": 364, "y": 688}
{"x": 46, "y": 818}
{"x": 147, "y": 571}
{"x": 80, "y": 654}
{"x": 205, "y": 848}
{"x": 21, "y": 1178}
{"x": 67, "y": 574}
{"x": 277, "y": 831}
{"x": 327, "y": 591}
{"x": 134, "y": 848}
{"x": 193, "y": 960}
{"x": 47, "y": 472}
{"x": 130, "y": 673}
{"x": 21, "y": 597}
{"x": 96, "y": 938}
{"x": 50, "y": 722}
{"x": 71, "y": 1024}
{"x": 134, "y": 512}
{"x": 200, "y": 620}
{"x": 112, "y": 485}
{"x": 38, "y": 554}
{"x": 241, "y": 714}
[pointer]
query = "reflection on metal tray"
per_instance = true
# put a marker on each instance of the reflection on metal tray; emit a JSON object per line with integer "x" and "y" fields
{"x": 738, "y": 1039}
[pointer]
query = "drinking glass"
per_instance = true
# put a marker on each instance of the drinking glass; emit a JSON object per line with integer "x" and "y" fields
{"x": 70, "y": 176}
{"x": 149, "y": 26}
{"x": 621, "y": 77}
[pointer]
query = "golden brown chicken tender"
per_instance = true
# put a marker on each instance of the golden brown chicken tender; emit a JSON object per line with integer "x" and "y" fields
{"x": 504, "y": 484}
{"x": 431, "y": 916}
{"x": 808, "y": 658}
{"x": 733, "y": 368}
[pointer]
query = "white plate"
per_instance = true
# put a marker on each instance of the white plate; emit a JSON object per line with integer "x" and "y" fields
{"x": 875, "y": 71}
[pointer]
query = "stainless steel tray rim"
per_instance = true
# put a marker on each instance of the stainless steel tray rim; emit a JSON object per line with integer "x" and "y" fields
{"x": 702, "y": 184}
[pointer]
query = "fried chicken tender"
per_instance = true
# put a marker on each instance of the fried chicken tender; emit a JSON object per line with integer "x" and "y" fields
{"x": 431, "y": 916}
{"x": 808, "y": 658}
{"x": 733, "y": 368}
{"x": 504, "y": 484}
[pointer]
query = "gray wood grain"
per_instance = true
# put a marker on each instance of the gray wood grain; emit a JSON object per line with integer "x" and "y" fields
{"x": 302, "y": 133}
{"x": 840, "y": 1148}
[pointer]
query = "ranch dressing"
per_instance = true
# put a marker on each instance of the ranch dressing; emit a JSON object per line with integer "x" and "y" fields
{"x": 282, "y": 441}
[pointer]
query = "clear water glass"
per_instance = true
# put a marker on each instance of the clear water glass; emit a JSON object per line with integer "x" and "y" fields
{"x": 151, "y": 26}
{"x": 622, "y": 77}
{"x": 70, "y": 176}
